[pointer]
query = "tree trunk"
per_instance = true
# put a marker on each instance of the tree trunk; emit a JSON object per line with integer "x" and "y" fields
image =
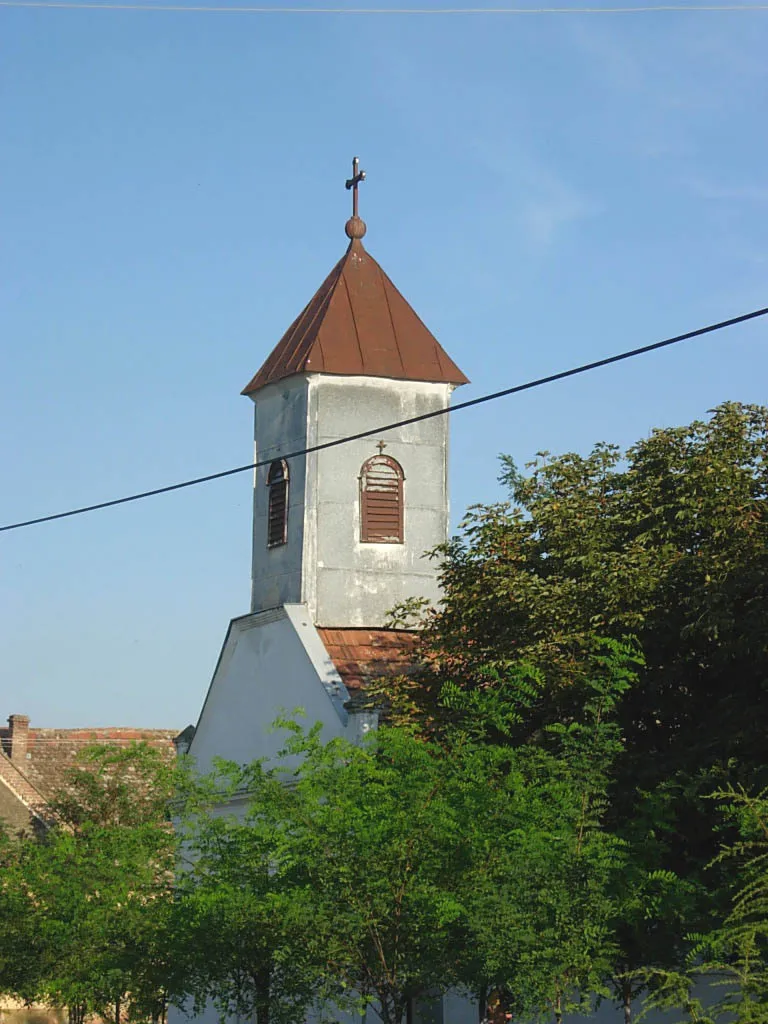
{"x": 558, "y": 1010}
{"x": 482, "y": 1004}
{"x": 262, "y": 996}
{"x": 76, "y": 1013}
{"x": 627, "y": 1004}
{"x": 392, "y": 1010}
{"x": 160, "y": 1014}
{"x": 117, "y": 1010}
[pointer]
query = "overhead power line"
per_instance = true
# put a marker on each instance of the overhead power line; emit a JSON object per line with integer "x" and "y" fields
{"x": 230, "y": 9}
{"x": 516, "y": 389}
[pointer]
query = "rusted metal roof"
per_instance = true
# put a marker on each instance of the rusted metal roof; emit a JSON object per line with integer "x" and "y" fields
{"x": 358, "y": 323}
{"x": 361, "y": 655}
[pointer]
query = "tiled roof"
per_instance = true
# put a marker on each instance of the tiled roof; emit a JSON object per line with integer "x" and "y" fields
{"x": 361, "y": 655}
{"x": 49, "y": 752}
{"x": 20, "y": 789}
{"x": 358, "y": 323}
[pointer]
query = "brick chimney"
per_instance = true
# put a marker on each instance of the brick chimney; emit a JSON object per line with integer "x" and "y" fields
{"x": 18, "y": 728}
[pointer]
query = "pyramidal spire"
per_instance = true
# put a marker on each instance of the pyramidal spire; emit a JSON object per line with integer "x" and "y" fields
{"x": 358, "y": 324}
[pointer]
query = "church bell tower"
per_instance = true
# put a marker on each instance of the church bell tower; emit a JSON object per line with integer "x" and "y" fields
{"x": 345, "y": 530}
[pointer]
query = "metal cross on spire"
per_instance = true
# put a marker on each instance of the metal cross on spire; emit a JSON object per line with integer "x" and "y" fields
{"x": 354, "y": 181}
{"x": 355, "y": 226}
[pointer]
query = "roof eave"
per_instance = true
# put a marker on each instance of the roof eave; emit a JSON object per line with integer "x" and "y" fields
{"x": 251, "y": 390}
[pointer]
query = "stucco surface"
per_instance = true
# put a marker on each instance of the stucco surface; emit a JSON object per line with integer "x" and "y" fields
{"x": 324, "y": 564}
{"x": 357, "y": 584}
{"x": 280, "y": 427}
{"x": 271, "y": 663}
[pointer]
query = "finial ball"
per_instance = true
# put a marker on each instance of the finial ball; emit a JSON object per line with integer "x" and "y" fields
{"x": 355, "y": 227}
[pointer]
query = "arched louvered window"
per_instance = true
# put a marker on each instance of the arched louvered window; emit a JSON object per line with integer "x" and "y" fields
{"x": 381, "y": 501}
{"x": 277, "y": 514}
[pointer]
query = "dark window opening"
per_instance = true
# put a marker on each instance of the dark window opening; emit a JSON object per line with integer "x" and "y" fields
{"x": 381, "y": 501}
{"x": 277, "y": 515}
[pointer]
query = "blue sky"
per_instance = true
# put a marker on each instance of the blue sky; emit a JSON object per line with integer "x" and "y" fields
{"x": 545, "y": 190}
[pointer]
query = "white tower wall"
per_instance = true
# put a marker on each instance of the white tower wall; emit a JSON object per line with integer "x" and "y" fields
{"x": 325, "y": 565}
{"x": 349, "y": 582}
{"x": 280, "y": 427}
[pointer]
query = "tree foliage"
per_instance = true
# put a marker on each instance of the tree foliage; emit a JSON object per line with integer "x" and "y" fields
{"x": 739, "y": 949}
{"x": 334, "y": 886}
{"x": 725, "y": 975}
{"x": 86, "y": 904}
{"x": 541, "y": 889}
{"x": 666, "y": 543}
{"x": 387, "y": 873}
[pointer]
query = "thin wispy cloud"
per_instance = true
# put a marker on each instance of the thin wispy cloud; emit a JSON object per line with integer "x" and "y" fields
{"x": 732, "y": 193}
{"x": 610, "y": 59}
{"x": 544, "y": 217}
{"x": 531, "y": 197}
{"x": 546, "y": 203}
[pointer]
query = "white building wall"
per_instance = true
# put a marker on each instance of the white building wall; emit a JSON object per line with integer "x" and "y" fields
{"x": 280, "y": 427}
{"x": 271, "y": 663}
{"x": 324, "y": 564}
{"x": 346, "y": 582}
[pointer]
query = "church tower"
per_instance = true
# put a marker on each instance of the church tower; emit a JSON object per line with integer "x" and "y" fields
{"x": 339, "y": 533}
{"x": 344, "y": 531}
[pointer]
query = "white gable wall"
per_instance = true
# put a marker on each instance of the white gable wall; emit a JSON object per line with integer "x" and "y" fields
{"x": 271, "y": 663}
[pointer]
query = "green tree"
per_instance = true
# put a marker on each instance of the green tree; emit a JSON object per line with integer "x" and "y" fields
{"x": 389, "y": 873}
{"x": 244, "y": 937}
{"x": 336, "y": 885}
{"x": 540, "y": 893}
{"x": 737, "y": 952}
{"x": 98, "y": 898}
{"x": 731, "y": 959}
{"x": 23, "y": 949}
{"x": 93, "y": 893}
{"x": 668, "y": 543}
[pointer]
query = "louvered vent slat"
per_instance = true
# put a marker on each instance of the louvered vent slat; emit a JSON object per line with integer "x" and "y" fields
{"x": 381, "y": 501}
{"x": 277, "y": 513}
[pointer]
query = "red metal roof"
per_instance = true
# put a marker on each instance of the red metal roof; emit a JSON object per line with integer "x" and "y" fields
{"x": 358, "y": 323}
{"x": 361, "y": 655}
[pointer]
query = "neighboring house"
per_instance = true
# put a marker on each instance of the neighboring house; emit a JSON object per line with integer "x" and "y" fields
{"x": 33, "y": 764}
